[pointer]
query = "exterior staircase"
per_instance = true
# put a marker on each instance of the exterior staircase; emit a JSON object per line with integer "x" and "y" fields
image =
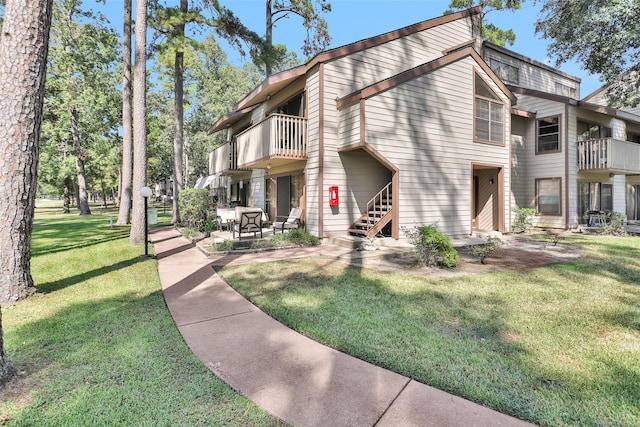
{"x": 378, "y": 214}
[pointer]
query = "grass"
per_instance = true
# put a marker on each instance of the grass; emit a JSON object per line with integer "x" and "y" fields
{"x": 96, "y": 344}
{"x": 556, "y": 346}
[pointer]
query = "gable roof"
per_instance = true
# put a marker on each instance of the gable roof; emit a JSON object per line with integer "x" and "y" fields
{"x": 278, "y": 81}
{"x": 418, "y": 71}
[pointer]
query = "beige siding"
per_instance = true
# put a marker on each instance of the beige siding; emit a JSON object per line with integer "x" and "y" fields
{"x": 531, "y": 76}
{"x": 356, "y": 71}
{"x": 522, "y": 137}
{"x": 425, "y": 128}
{"x": 551, "y": 165}
{"x": 349, "y": 125}
{"x": 312, "y": 170}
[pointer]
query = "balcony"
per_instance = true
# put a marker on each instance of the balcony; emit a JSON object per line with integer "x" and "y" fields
{"x": 278, "y": 138}
{"x": 224, "y": 159}
{"x": 608, "y": 155}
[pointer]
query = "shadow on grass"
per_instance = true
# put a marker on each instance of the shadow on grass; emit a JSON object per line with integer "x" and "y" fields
{"x": 116, "y": 361}
{"x": 57, "y": 285}
{"x": 72, "y": 232}
{"x": 461, "y": 335}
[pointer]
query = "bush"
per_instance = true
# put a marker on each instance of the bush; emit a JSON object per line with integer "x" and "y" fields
{"x": 433, "y": 247}
{"x": 194, "y": 204}
{"x": 189, "y": 233}
{"x": 483, "y": 250}
{"x": 614, "y": 225}
{"x": 292, "y": 238}
{"x": 523, "y": 220}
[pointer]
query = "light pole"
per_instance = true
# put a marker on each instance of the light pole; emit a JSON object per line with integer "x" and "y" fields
{"x": 146, "y": 192}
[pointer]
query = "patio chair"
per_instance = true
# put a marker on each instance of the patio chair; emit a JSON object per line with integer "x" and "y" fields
{"x": 248, "y": 221}
{"x": 292, "y": 222}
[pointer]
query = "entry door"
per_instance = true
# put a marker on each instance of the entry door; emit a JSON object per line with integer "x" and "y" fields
{"x": 283, "y": 198}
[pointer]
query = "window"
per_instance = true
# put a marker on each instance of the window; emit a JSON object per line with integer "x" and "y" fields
{"x": 564, "y": 90}
{"x": 507, "y": 73}
{"x": 633, "y": 137}
{"x": 488, "y": 113}
{"x": 588, "y": 130}
{"x": 548, "y": 135}
{"x": 548, "y": 196}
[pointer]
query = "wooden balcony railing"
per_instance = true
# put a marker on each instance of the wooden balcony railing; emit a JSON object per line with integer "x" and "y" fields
{"x": 277, "y": 136}
{"x": 608, "y": 154}
{"x": 224, "y": 158}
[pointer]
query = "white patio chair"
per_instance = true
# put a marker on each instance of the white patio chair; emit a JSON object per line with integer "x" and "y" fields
{"x": 292, "y": 222}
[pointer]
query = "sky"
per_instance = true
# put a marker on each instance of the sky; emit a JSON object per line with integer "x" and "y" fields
{"x": 354, "y": 20}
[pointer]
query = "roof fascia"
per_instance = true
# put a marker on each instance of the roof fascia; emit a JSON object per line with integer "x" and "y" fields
{"x": 227, "y": 119}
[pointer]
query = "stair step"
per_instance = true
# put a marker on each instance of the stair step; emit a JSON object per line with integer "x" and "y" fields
{"x": 357, "y": 231}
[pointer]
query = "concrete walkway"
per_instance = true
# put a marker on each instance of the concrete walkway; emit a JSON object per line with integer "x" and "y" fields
{"x": 293, "y": 377}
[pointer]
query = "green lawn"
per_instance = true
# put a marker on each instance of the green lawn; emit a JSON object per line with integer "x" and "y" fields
{"x": 97, "y": 346}
{"x": 556, "y": 346}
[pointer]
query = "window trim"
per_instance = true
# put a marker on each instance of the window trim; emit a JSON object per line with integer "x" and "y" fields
{"x": 496, "y": 101}
{"x": 559, "y": 149}
{"x": 573, "y": 92}
{"x": 504, "y": 68}
{"x": 559, "y": 181}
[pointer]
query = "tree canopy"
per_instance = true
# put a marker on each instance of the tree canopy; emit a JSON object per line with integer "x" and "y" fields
{"x": 603, "y": 36}
{"x": 490, "y": 32}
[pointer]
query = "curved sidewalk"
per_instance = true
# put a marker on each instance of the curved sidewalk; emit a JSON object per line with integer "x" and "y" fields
{"x": 296, "y": 379}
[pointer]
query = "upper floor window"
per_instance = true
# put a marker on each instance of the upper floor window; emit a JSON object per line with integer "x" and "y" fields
{"x": 588, "y": 130}
{"x": 507, "y": 73}
{"x": 489, "y": 116}
{"x": 565, "y": 90}
{"x": 295, "y": 106}
{"x": 633, "y": 137}
{"x": 548, "y": 135}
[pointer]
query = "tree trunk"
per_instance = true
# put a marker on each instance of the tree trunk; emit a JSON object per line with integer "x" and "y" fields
{"x": 137, "y": 235}
{"x": 65, "y": 196}
{"x": 127, "y": 118}
{"x": 83, "y": 197}
{"x": 23, "y": 60}
{"x": 178, "y": 119}
{"x": 268, "y": 38}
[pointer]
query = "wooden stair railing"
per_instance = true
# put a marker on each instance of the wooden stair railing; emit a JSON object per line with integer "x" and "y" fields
{"x": 378, "y": 214}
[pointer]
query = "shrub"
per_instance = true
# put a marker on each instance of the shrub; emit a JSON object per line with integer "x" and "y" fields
{"x": 614, "y": 225}
{"x": 433, "y": 247}
{"x": 524, "y": 219}
{"x": 483, "y": 250}
{"x": 189, "y": 233}
{"x": 292, "y": 238}
{"x": 193, "y": 204}
{"x": 227, "y": 245}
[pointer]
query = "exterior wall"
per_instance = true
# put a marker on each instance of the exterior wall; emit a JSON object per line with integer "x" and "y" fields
{"x": 258, "y": 195}
{"x": 425, "y": 128}
{"x": 522, "y": 137}
{"x": 312, "y": 171}
{"x": 533, "y": 75}
{"x": 550, "y": 165}
{"x": 361, "y": 69}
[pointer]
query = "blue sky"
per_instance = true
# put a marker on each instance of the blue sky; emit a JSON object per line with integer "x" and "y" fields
{"x": 353, "y": 20}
